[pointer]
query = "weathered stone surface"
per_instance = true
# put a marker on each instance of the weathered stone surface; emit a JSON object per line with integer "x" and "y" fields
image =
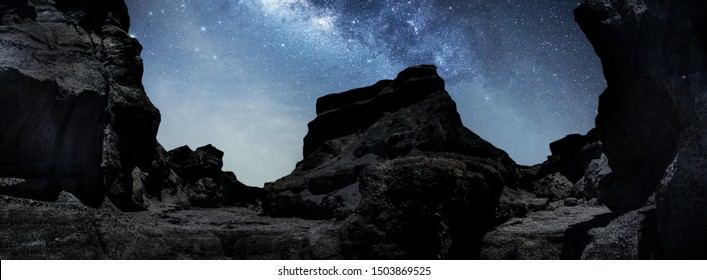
{"x": 425, "y": 208}
{"x": 40, "y": 230}
{"x": 545, "y": 235}
{"x": 410, "y": 116}
{"x": 74, "y": 115}
{"x": 73, "y": 107}
{"x": 653, "y": 110}
{"x": 596, "y": 180}
{"x": 631, "y": 236}
{"x": 518, "y": 203}
{"x": 554, "y": 186}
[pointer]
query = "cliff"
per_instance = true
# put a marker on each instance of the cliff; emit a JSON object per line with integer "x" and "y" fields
{"x": 652, "y": 115}
{"x": 74, "y": 115}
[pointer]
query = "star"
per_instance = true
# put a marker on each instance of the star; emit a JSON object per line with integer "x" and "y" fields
{"x": 244, "y": 75}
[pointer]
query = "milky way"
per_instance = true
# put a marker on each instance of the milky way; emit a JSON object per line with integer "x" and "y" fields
{"x": 245, "y": 75}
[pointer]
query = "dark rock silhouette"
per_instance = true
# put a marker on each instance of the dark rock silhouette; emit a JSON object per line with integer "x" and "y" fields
{"x": 206, "y": 185}
{"x": 410, "y": 116}
{"x": 73, "y": 108}
{"x": 427, "y": 207}
{"x": 547, "y": 215}
{"x": 397, "y": 157}
{"x": 651, "y": 117}
{"x": 74, "y": 115}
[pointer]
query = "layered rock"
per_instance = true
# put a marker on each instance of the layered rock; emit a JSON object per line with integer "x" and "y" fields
{"x": 74, "y": 115}
{"x": 73, "y": 108}
{"x": 652, "y": 117}
{"x": 410, "y": 116}
{"x": 397, "y": 156}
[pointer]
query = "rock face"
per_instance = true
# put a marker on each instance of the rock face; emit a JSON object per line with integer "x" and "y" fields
{"x": 430, "y": 207}
{"x": 545, "y": 235}
{"x": 652, "y": 115}
{"x": 410, "y": 116}
{"x": 74, "y": 115}
{"x": 629, "y": 237}
{"x": 73, "y": 108}
{"x": 397, "y": 156}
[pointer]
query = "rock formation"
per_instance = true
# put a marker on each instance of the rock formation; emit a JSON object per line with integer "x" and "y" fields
{"x": 206, "y": 185}
{"x": 73, "y": 108}
{"x": 410, "y": 116}
{"x": 652, "y": 115}
{"x": 74, "y": 115}
{"x": 555, "y": 207}
{"x": 397, "y": 157}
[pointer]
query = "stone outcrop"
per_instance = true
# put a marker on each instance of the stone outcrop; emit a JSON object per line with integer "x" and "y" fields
{"x": 395, "y": 159}
{"x": 73, "y": 108}
{"x": 74, "y": 115}
{"x": 652, "y": 117}
{"x": 205, "y": 184}
{"x": 407, "y": 117}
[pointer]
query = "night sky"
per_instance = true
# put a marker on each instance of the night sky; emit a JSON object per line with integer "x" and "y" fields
{"x": 245, "y": 75}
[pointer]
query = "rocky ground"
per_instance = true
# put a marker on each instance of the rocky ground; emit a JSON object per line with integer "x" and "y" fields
{"x": 69, "y": 230}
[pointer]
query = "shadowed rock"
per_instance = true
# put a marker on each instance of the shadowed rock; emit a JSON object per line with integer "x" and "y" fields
{"x": 73, "y": 108}
{"x": 430, "y": 207}
{"x": 74, "y": 115}
{"x": 652, "y": 116}
{"x": 411, "y": 115}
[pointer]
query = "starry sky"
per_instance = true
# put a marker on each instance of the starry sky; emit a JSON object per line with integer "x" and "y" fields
{"x": 244, "y": 75}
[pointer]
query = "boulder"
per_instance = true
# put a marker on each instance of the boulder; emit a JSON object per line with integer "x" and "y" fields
{"x": 554, "y": 186}
{"x": 425, "y": 208}
{"x": 652, "y": 115}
